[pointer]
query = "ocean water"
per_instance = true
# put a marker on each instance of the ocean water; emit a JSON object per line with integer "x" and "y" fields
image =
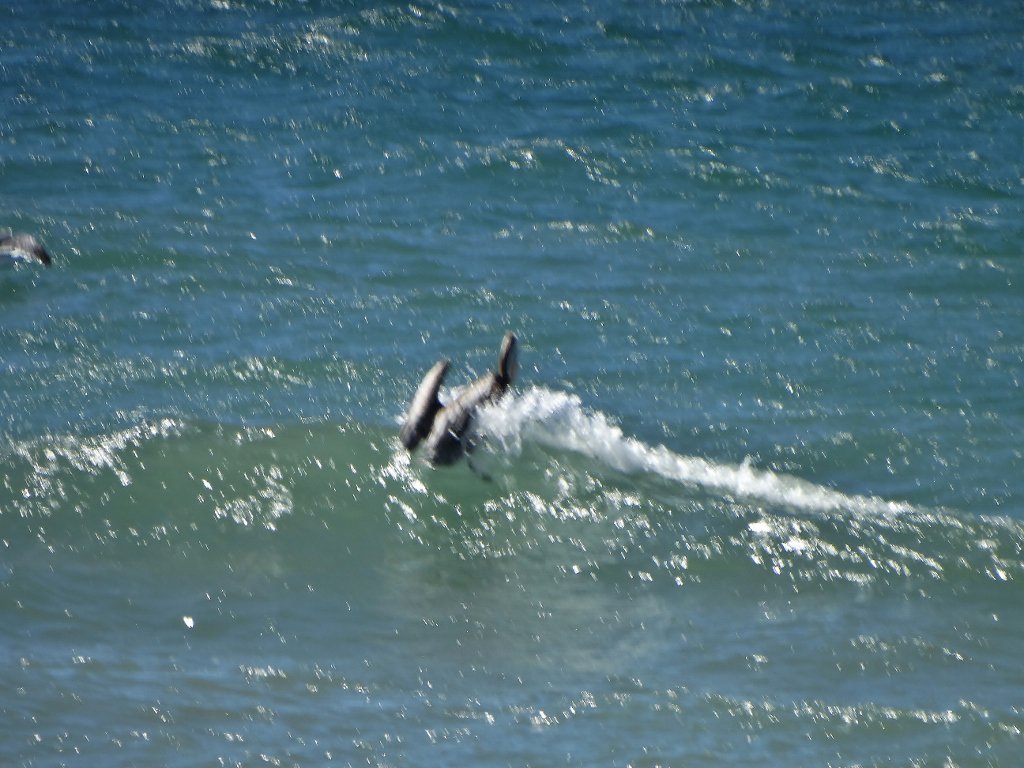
{"x": 756, "y": 499}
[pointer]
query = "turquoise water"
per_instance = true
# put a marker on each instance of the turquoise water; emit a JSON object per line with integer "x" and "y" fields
{"x": 756, "y": 499}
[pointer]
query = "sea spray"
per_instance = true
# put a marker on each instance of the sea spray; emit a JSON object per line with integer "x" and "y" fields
{"x": 560, "y": 420}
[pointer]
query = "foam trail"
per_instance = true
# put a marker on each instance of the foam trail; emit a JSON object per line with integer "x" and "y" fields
{"x": 559, "y": 420}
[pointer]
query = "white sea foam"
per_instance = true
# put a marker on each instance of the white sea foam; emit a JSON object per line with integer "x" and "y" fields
{"x": 559, "y": 420}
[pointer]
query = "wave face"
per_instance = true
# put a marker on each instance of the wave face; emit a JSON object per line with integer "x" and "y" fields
{"x": 229, "y": 580}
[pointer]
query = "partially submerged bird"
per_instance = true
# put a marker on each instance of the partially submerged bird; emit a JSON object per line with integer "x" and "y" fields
{"x": 445, "y": 427}
{"x": 19, "y": 248}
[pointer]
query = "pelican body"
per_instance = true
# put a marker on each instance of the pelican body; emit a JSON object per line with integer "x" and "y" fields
{"x": 443, "y": 428}
{"x": 18, "y": 248}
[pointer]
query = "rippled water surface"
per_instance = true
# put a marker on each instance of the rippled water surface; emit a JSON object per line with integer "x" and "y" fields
{"x": 756, "y": 498}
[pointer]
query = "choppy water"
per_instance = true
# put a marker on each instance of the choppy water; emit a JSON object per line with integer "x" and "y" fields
{"x": 757, "y": 498}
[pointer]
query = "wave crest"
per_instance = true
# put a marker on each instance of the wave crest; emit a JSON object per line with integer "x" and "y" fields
{"x": 559, "y": 420}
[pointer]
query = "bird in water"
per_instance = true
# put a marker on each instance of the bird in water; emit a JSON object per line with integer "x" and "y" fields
{"x": 443, "y": 427}
{"x": 20, "y": 248}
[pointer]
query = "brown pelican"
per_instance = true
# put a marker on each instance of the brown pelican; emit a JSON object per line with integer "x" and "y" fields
{"x": 444, "y": 427}
{"x": 17, "y": 248}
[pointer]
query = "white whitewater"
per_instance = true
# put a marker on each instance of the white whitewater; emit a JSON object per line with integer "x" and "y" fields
{"x": 559, "y": 420}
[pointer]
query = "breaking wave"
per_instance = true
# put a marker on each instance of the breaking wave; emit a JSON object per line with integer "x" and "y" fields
{"x": 559, "y": 420}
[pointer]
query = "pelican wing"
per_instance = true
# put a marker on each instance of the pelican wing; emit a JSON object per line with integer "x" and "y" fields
{"x": 424, "y": 407}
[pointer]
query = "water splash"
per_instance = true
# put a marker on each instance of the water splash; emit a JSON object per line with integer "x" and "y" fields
{"x": 559, "y": 420}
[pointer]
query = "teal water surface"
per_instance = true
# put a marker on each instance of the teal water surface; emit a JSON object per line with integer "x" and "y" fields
{"x": 756, "y": 498}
